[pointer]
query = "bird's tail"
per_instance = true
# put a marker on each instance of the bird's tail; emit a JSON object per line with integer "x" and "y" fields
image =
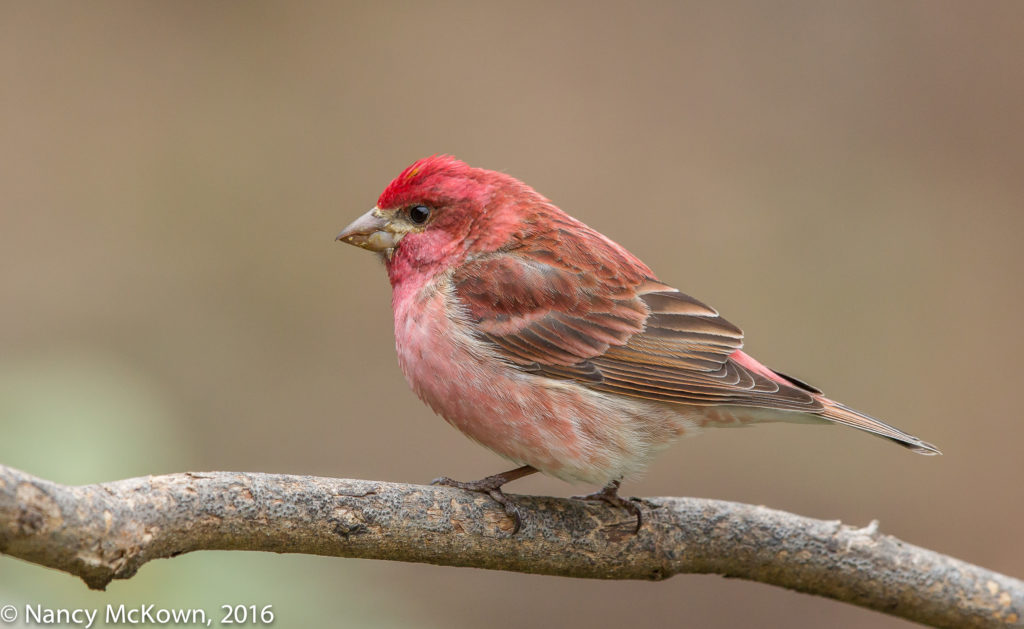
{"x": 841, "y": 414}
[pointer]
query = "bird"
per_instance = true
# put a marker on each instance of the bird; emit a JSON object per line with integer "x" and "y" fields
{"x": 548, "y": 343}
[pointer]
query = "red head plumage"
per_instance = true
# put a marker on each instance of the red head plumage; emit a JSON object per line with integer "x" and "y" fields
{"x": 437, "y": 175}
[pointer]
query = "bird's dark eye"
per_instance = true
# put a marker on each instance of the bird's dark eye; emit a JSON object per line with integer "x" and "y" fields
{"x": 419, "y": 214}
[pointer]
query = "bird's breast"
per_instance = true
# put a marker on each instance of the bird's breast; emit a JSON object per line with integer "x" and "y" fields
{"x": 452, "y": 370}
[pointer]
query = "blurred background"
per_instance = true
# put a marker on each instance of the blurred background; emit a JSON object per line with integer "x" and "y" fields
{"x": 842, "y": 180}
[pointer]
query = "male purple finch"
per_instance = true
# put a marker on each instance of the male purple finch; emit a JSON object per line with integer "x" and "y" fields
{"x": 553, "y": 346}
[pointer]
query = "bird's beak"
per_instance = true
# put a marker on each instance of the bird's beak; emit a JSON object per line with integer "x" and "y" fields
{"x": 371, "y": 231}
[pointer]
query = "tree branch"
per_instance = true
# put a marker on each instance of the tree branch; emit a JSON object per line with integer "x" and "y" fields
{"x": 107, "y": 531}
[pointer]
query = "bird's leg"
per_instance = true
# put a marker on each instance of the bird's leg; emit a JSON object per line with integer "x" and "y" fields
{"x": 610, "y": 495}
{"x": 492, "y": 487}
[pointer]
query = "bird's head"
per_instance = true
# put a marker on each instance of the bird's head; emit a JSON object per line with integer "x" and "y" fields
{"x": 439, "y": 211}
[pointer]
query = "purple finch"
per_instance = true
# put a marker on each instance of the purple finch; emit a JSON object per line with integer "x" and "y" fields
{"x": 553, "y": 346}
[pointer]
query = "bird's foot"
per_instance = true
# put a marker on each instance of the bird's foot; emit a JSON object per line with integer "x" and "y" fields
{"x": 610, "y": 494}
{"x": 492, "y": 487}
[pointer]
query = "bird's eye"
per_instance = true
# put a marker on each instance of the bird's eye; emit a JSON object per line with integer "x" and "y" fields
{"x": 419, "y": 214}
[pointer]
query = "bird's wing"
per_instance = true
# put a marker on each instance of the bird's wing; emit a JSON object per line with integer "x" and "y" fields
{"x": 604, "y": 321}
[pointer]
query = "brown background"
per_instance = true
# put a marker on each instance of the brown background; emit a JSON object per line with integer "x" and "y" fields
{"x": 843, "y": 180}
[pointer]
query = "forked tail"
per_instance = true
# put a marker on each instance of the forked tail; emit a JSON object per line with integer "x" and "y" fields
{"x": 841, "y": 414}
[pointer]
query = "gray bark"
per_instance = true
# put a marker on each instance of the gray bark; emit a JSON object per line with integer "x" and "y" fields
{"x": 107, "y": 531}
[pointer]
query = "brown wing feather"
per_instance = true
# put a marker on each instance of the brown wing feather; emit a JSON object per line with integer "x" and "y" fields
{"x": 628, "y": 333}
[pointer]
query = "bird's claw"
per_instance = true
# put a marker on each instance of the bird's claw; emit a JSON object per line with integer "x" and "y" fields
{"x": 492, "y": 487}
{"x": 610, "y": 494}
{"x": 511, "y": 508}
{"x": 491, "y": 483}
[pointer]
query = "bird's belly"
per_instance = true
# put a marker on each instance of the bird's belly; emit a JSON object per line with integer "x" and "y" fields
{"x": 559, "y": 427}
